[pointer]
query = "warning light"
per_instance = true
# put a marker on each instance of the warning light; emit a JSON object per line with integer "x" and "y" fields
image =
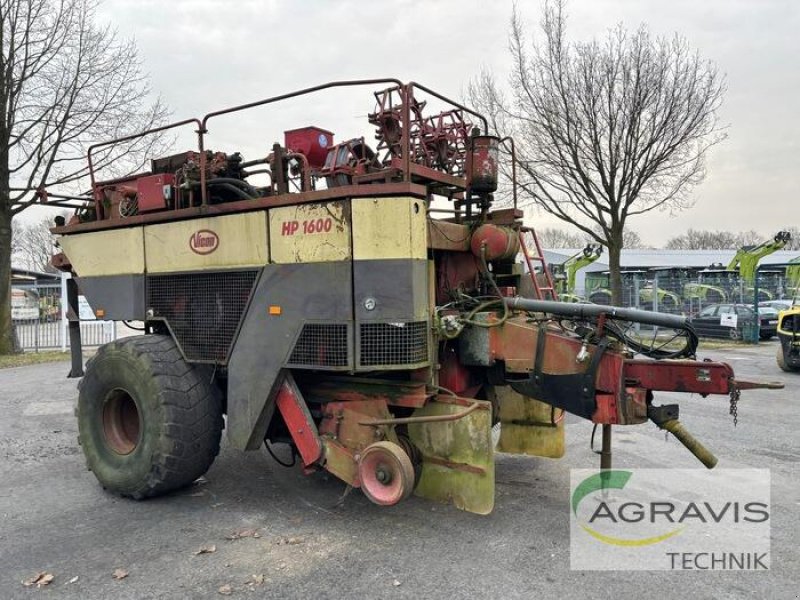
{"x": 275, "y": 310}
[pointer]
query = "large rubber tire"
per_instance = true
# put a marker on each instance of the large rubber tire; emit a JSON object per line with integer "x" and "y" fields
{"x": 781, "y": 357}
{"x": 148, "y": 421}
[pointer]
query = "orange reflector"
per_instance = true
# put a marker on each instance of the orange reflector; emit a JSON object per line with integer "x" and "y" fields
{"x": 274, "y": 310}
{"x": 100, "y": 313}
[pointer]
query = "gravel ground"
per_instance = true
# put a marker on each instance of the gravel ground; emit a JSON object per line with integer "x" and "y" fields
{"x": 55, "y": 518}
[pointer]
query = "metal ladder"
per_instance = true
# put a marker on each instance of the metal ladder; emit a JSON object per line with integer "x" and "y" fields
{"x": 533, "y": 254}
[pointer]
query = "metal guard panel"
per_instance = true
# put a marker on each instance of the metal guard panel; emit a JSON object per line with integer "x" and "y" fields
{"x": 457, "y": 457}
{"x": 399, "y": 345}
{"x": 202, "y": 310}
{"x": 322, "y": 346}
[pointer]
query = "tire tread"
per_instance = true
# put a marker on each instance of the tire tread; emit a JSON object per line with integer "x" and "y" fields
{"x": 189, "y": 436}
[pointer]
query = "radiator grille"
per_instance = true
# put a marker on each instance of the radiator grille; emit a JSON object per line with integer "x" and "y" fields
{"x": 321, "y": 345}
{"x": 202, "y": 309}
{"x": 393, "y": 343}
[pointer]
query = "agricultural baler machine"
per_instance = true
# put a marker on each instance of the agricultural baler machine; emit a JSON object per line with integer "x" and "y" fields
{"x": 334, "y": 309}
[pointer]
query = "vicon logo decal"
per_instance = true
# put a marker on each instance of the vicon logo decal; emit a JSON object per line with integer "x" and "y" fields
{"x": 203, "y": 241}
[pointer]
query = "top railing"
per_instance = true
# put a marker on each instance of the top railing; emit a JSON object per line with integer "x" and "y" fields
{"x": 201, "y": 123}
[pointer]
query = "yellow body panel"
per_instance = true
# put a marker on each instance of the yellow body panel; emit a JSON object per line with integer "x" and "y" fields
{"x": 310, "y": 233}
{"x": 212, "y": 242}
{"x": 385, "y": 228}
{"x": 527, "y": 425}
{"x": 117, "y": 252}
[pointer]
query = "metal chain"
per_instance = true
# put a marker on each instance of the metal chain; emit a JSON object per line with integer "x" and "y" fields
{"x": 734, "y": 410}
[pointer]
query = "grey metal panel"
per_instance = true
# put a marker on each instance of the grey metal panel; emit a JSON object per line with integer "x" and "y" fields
{"x": 399, "y": 288}
{"x": 316, "y": 292}
{"x": 120, "y": 296}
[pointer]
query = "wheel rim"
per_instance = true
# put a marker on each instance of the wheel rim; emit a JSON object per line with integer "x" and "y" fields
{"x": 734, "y": 333}
{"x": 386, "y": 473}
{"x": 121, "y": 423}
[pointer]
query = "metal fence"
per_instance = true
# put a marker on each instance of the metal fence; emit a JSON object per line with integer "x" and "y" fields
{"x": 690, "y": 292}
{"x": 706, "y": 295}
{"x": 40, "y": 323}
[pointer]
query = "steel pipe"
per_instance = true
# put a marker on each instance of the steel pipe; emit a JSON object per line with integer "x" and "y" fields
{"x": 586, "y": 310}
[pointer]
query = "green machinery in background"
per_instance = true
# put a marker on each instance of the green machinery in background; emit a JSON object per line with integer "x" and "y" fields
{"x": 738, "y": 278}
{"x": 566, "y": 273}
{"x": 793, "y": 277}
{"x": 636, "y": 284}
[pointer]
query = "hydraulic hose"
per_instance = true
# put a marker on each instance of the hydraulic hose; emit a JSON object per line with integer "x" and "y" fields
{"x": 231, "y": 188}
{"x": 584, "y": 310}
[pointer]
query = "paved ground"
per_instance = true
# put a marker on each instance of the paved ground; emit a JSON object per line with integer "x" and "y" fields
{"x": 55, "y": 518}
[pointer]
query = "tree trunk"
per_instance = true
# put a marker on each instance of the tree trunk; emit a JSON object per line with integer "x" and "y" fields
{"x": 615, "y": 279}
{"x": 6, "y": 332}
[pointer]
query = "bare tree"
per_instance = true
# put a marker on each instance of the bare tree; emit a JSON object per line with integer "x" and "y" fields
{"x": 631, "y": 239}
{"x": 701, "y": 239}
{"x": 606, "y": 129}
{"x": 794, "y": 243}
{"x": 64, "y": 83}
{"x": 553, "y": 237}
{"x": 33, "y": 245}
{"x": 748, "y": 238}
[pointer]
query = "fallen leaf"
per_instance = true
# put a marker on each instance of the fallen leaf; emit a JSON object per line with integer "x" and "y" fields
{"x": 255, "y": 580}
{"x": 73, "y": 580}
{"x": 119, "y": 574}
{"x": 225, "y": 590}
{"x": 41, "y": 579}
{"x": 206, "y": 549}
{"x": 243, "y": 533}
{"x": 290, "y": 540}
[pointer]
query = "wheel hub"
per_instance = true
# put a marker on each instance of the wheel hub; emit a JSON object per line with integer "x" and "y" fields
{"x": 121, "y": 423}
{"x": 382, "y": 475}
{"x": 386, "y": 473}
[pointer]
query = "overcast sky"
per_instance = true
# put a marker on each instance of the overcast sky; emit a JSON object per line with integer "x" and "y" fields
{"x": 207, "y": 54}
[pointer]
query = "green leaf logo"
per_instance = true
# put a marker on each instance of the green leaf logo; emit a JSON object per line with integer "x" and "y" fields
{"x": 605, "y": 480}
